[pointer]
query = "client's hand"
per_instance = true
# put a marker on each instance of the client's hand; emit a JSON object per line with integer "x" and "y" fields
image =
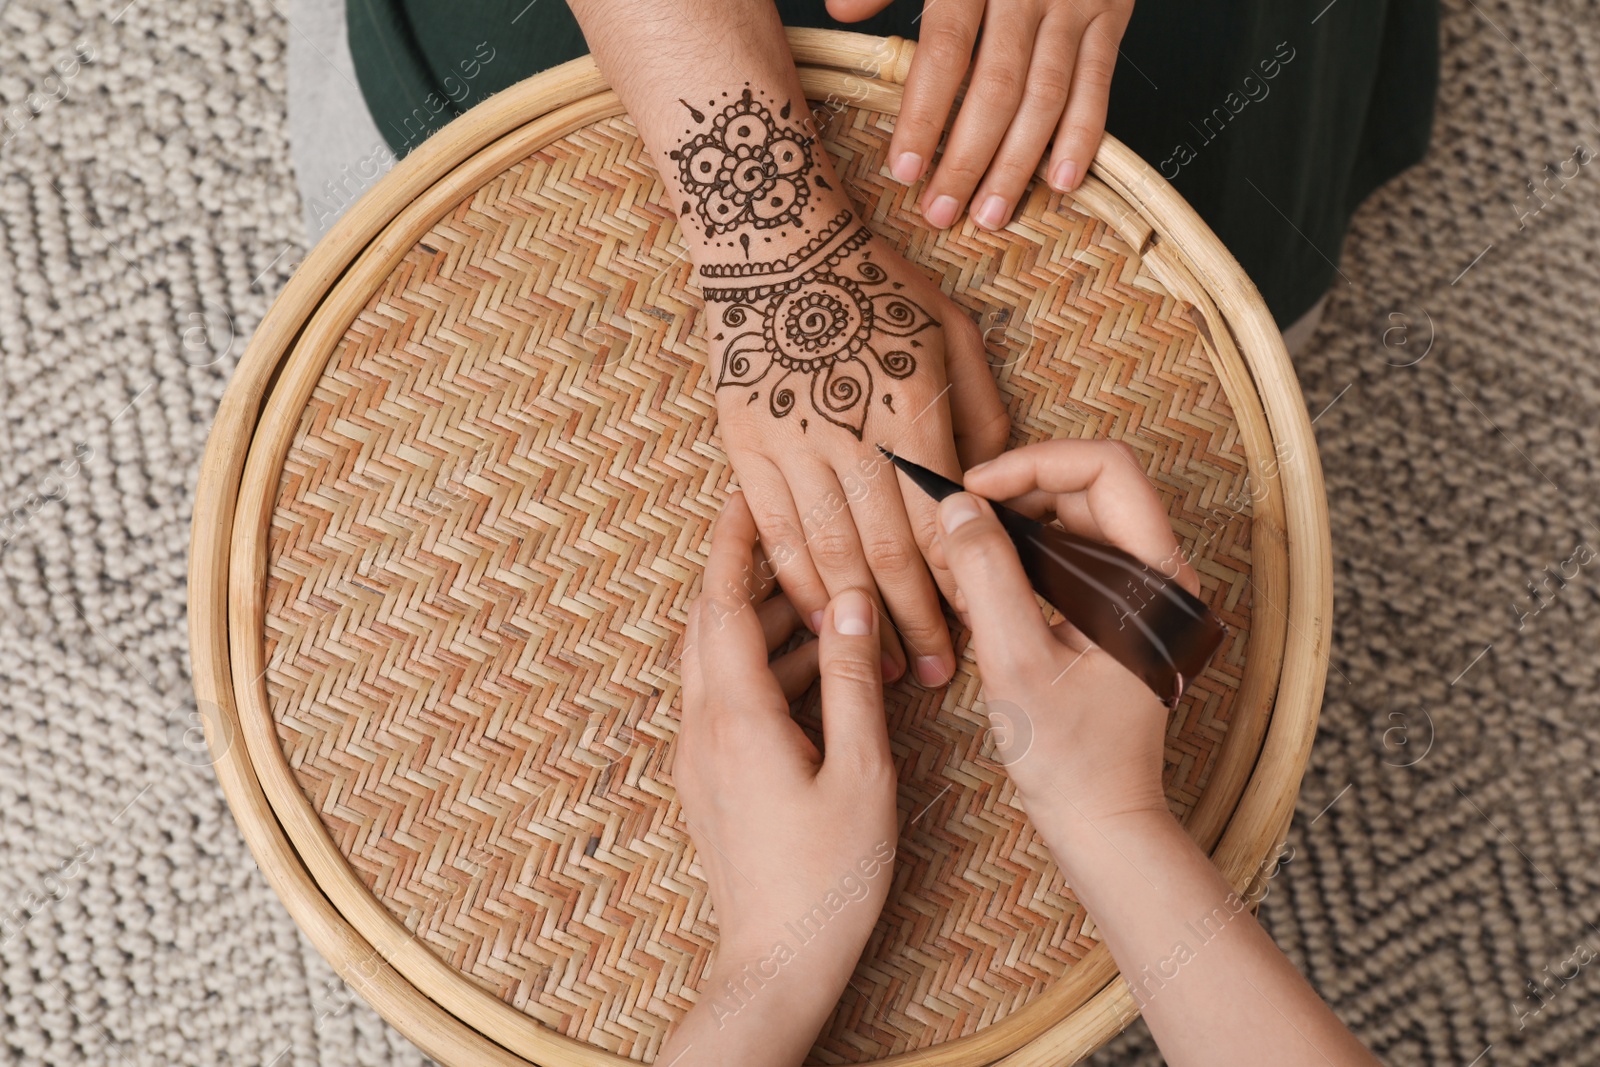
{"x": 819, "y": 356}
{"x": 797, "y": 846}
{"x": 1070, "y": 722}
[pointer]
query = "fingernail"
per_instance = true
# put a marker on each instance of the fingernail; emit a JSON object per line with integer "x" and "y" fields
{"x": 891, "y": 669}
{"x": 956, "y": 510}
{"x": 931, "y": 671}
{"x": 853, "y": 613}
{"x": 907, "y": 168}
{"x": 993, "y": 212}
{"x": 1064, "y": 176}
{"x": 942, "y": 212}
{"x": 816, "y": 622}
{"x": 975, "y": 468}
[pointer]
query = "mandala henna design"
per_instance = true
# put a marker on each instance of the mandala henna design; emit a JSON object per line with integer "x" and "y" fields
{"x": 823, "y": 321}
{"x": 749, "y": 169}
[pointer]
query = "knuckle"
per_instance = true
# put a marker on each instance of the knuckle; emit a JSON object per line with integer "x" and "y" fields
{"x": 1049, "y": 85}
{"x": 947, "y": 45}
{"x": 857, "y": 669}
{"x": 961, "y": 172}
{"x": 893, "y": 557}
{"x": 994, "y": 434}
{"x": 1124, "y": 453}
{"x": 925, "y": 526}
{"x": 1010, "y": 173}
{"x": 870, "y": 769}
{"x": 1000, "y": 84}
{"x": 723, "y": 735}
{"x": 1007, "y": 658}
{"x": 962, "y": 331}
{"x": 777, "y": 528}
{"x": 1095, "y": 70}
{"x": 978, "y": 548}
{"x": 1081, "y": 134}
{"x": 831, "y": 546}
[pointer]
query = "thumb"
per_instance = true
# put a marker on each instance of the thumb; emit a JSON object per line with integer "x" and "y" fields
{"x": 851, "y": 666}
{"x": 1007, "y": 624}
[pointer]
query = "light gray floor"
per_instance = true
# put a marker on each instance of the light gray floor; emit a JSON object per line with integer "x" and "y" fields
{"x": 337, "y": 150}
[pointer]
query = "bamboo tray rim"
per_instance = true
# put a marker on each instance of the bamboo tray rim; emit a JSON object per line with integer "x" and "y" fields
{"x": 1262, "y": 811}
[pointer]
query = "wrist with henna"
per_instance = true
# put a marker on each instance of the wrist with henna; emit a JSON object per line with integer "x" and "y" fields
{"x": 821, "y": 342}
{"x": 803, "y": 320}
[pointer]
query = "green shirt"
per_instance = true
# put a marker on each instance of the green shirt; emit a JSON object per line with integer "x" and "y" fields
{"x": 1274, "y": 119}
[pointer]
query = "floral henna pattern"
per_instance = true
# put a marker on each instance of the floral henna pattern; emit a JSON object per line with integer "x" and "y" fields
{"x": 748, "y": 169}
{"x": 822, "y": 322}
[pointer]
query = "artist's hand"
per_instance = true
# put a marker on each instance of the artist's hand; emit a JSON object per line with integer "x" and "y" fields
{"x": 852, "y": 348}
{"x": 1042, "y": 72}
{"x": 1074, "y": 727}
{"x": 797, "y": 847}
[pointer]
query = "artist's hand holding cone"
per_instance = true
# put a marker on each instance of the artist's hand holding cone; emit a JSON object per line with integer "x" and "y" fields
{"x": 797, "y": 846}
{"x": 1071, "y": 723}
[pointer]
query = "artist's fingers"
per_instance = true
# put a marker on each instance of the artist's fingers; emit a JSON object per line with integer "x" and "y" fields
{"x": 1036, "y": 504}
{"x": 726, "y": 641}
{"x": 1012, "y": 638}
{"x": 796, "y": 670}
{"x": 1071, "y": 510}
{"x": 1070, "y": 636}
{"x": 853, "y": 726}
{"x": 1118, "y": 504}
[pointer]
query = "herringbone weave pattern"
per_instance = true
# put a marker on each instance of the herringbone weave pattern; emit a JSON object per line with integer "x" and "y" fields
{"x": 493, "y": 516}
{"x": 1422, "y": 903}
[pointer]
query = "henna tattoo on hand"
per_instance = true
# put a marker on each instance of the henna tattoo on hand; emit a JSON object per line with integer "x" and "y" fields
{"x": 749, "y": 169}
{"x": 825, "y": 321}
{"x": 822, "y": 321}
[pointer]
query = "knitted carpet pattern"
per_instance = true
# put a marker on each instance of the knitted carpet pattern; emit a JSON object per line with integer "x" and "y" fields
{"x": 1442, "y": 887}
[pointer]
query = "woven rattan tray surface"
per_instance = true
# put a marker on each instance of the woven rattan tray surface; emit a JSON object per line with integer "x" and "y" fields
{"x": 464, "y": 501}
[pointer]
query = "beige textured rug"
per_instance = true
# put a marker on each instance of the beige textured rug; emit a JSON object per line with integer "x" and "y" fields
{"x": 148, "y": 214}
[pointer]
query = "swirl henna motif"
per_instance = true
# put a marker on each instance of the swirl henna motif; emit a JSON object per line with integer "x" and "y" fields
{"x": 824, "y": 321}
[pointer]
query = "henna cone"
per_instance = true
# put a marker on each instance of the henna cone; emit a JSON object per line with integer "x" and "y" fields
{"x": 1149, "y": 623}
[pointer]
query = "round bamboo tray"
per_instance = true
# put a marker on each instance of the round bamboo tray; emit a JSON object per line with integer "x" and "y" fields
{"x": 457, "y": 498}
